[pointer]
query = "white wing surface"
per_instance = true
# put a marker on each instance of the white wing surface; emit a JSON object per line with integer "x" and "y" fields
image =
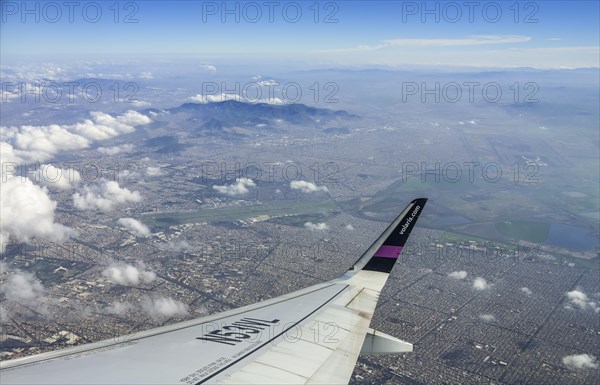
{"x": 312, "y": 336}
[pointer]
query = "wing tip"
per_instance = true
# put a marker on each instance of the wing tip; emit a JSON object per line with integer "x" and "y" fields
{"x": 388, "y": 250}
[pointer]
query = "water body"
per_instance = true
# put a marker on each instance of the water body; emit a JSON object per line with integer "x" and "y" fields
{"x": 571, "y": 237}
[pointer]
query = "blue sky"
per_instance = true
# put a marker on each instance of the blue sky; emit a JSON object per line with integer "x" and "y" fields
{"x": 541, "y": 34}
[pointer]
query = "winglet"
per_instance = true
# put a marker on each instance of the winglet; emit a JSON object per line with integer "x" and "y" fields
{"x": 384, "y": 252}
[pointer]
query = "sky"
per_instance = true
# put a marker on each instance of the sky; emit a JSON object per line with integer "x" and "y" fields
{"x": 544, "y": 34}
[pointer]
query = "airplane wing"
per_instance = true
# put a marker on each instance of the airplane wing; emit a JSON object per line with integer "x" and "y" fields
{"x": 312, "y": 336}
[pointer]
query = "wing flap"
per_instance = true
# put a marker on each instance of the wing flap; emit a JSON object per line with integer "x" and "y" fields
{"x": 336, "y": 333}
{"x": 300, "y": 358}
{"x": 259, "y": 373}
{"x": 378, "y": 343}
{"x": 306, "y": 351}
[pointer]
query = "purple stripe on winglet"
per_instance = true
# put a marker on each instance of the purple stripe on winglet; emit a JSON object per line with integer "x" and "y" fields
{"x": 388, "y": 251}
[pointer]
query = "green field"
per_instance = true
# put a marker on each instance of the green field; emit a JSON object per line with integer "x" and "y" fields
{"x": 273, "y": 209}
{"x": 449, "y": 236}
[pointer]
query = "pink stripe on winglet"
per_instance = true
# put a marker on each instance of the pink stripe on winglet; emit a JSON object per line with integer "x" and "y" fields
{"x": 388, "y": 251}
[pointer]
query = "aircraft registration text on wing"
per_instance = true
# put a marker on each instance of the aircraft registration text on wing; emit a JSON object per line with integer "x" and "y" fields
{"x": 311, "y": 336}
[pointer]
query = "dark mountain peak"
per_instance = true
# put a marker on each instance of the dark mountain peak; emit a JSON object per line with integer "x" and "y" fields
{"x": 293, "y": 113}
{"x": 239, "y": 119}
{"x": 215, "y": 124}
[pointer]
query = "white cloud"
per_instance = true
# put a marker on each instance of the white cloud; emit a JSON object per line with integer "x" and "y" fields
{"x": 526, "y": 290}
{"x": 40, "y": 143}
{"x": 114, "y": 150}
{"x": 28, "y": 212}
{"x": 272, "y": 100}
{"x": 503, "y": 52}
{"x": 27, "y": 91}
{"x": 199, "y": 98}
{"x": 349, "y": 227}
{"x": 22, "y": 286}
{"x": 480, "y": 284}
{"x": 204, "y": 99}
{"x": 146, "y": 75}
{"x": 3, "y": 267}
{"x": 579, "y": 299}
{"x": 580, "y": 361}
{"x": 487, "y": 317}
{"x": 142, "y": 104}
{"x": 107, "y": 75}
{"x": 461, "y": 42}
{"x": 8, "y": 95}
{"x": 118, "y": 308}
{"x": 240, "y": 187}
{"x": 135, "y": 227}
{"x": 104, "y": 196}
{"x": 316, "y": 226}
{"x": 132, "y": 118}
{"x": 162, "y": 307}
{"x": 104, "y": 126}
{"x": 129, "y": 174}
{"x": 208, "y": 67}
{"x": 125, "y": 274}
{"x": 468, "y": 41}
{"x": 458, "y": 274}
{"x": 268, "y": 83}
{"x": 178, "y": 246}
{"x": 55, "y": 177}
{"x": 8, "y": 154}
{"x": 154, "y": 171}
{"x": 306, "y": 187}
